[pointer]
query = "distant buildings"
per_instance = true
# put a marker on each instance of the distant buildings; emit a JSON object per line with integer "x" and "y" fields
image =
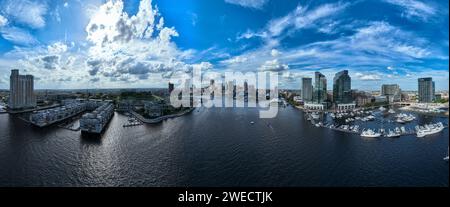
{"x": 426, "y": 90}
{"x": 307, "y": 89}
{"x": 392, "y": 92}
{"x": 320, "y": 88}
{"x": 21, "y": 91}
{"x": 342, "y": 85}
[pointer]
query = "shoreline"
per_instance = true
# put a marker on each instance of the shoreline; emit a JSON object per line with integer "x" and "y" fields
{"x": 160, "y": 119}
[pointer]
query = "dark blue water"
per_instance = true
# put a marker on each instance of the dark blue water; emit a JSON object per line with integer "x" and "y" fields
{"x": 218, "y": 147}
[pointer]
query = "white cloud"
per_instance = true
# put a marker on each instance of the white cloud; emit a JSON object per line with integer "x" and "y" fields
{"x": 3, "y": 21}
{"x": 274, "y": 66}
{"x": 367, "y": 77}
{"x": 414, "y": 9}
{"x": 302, "y": 17}
{"x": 17, "y": 36}
{"x": 130, "y": 48}
{"x": 235, "y": 60}
{"x": 275, "y": 53}
{"x": 30, "y": 13}
{"x": 255, "y": 4}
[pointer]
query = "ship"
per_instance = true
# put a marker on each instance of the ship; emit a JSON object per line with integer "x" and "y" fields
{"x": 429, "y": 129}
{"x": 391, "y": 111}
{"x": 370, "y": 133}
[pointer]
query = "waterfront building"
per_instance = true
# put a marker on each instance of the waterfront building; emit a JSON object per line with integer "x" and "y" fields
{"x": 21, "y": 91}
{"x": 314, "y": 106}
{"x": 50, "y": 116}
{"x": 96, "y": 121}
{"x": 346, "y": 107}
{"x": 307, "y": 89}
{"x": 320, "y": 88}
{"x": 381, "y": 99}
{"x": 125, "y": 106}
{"x": 392, "y": 92}
{"x": 154, "y": 109}
{"x": 342, "y": 88}
{"x": 426, "y": 90}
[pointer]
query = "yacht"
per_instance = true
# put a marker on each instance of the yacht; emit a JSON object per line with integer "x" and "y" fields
{"x": 315, "y": 116}
{"x": 370, "y": 133}
{"x": 391, "y": 111}
{"x": 393, "y": 134}
{"x": 382, "y": 109}
{"x": 422, "y": 131}
{"x": 370, "y": 118}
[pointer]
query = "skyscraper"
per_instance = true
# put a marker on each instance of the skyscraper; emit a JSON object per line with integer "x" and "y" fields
{"x": 426, "y": 90}
{"x": 21, "y": 91}
{"x": 392, "y": 92}
{"x": 320, "y": 88}
{"x": 307, "y": 89}
{"x": 342, "y": 85}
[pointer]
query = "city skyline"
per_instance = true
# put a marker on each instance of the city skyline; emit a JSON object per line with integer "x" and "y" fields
{"x": 296, "y": 39}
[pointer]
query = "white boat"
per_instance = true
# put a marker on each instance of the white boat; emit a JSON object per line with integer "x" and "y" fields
{"x": 370, "y": 118}
{"x": 315, "y": 116}
{"x": 393, "y": 134}
{"x": 446, "y": 158}
{"x": 391, "y": 111}
{"x": 252, "y": 122}
{"x": 422, "y": 131}
{"x": 370, "y": 133}
{"x": 382, "y": 109}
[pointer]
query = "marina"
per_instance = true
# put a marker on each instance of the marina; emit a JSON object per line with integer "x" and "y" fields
{"x": 380, "y": 122}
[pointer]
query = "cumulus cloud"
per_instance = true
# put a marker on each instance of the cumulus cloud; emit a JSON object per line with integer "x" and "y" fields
{"x": 126, "y": 48}
{"x": 367, "y": 77}
{"x": 274, "y": 66}
{"x": 255, "y": 4}
{"x": 50, "y": 62}
{"x": 275, "y": 53}
{"x": 30, "y": 13}
{"x": 3, "y": 21}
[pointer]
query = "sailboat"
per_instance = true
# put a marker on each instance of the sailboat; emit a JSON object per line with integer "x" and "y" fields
{"x": 446, "y": 158}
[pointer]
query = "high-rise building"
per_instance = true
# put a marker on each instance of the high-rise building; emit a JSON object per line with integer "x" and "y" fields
{"x": 426, "y": 90}
{"x": 307, "y": 89}
{"x": 21, "y": 91}
{"x": 392, "y": 92}
{"x": 342, "y": 86}
{"x": 320, "y": 88}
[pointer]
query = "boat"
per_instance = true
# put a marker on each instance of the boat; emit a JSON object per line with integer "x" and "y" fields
{"x": 404, "y": 118}
{"x": 370, "y": 118}
{"x": 252, "y": 122}
{"x": 370, "y": 133}
{"x": 391, "y": 111}
{"x": 392, "y": 134}
{"x": 382, "y": 109}
{"x": 315, "y": 116}
{"x": 446, "y": 158}
{"x": 422, "y": 131}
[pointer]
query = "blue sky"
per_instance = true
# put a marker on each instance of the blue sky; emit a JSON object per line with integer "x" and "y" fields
{"x": 141, "y": 43}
